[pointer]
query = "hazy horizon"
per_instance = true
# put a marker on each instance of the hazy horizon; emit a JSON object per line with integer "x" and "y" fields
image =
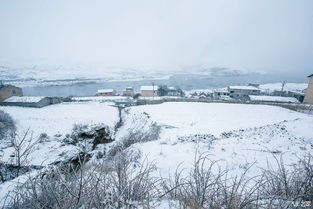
{"x": 267, "y": 36}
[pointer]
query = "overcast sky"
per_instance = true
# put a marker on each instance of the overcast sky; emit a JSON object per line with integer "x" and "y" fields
{"x": 258, "y": 35}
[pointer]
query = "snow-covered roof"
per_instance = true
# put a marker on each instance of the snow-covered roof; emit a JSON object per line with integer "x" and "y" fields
{"x": 105, "y": 90}
{"x": 244, "y": 87}
{"x": 24, "y": 99}
{"x": 172, "y": 88}
{"x": 273, "y": 99}
{"x": 223, "y": 90}
{"x": 149, "y": 88}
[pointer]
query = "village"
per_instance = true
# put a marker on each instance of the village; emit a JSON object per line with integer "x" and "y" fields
{"x": 11, "y": 95}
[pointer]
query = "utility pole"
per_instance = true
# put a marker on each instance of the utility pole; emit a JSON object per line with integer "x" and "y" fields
{"x": 282, "y": 88}
{"x": 152, "y": 90}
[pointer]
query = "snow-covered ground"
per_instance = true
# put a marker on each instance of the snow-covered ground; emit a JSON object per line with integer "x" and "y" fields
{"x": 237, "y": 135}
{"x": 57, "y": 121}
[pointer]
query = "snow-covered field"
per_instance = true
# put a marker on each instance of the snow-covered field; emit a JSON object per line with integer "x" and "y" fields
{"x": 237, "y": 135}
{"x": 57, "y": 121}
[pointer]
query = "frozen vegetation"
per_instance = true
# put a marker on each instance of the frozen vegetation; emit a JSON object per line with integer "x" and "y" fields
{"x": 172, "y": 155}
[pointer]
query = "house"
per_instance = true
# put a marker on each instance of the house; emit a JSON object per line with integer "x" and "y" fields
{"x": 129, "y": 91}
{"x": 276, "y": 99}
{"x": 309, "y": 92}
{"x": 174, "y": 91}
{"x": 243, "y": 92}
{"x": 31, "y": 101}
{"x": 105, "y": 92}
{"x": 220, "y": 93}
{"x": 7, "y": 91}
{"x": 149, "y": 91}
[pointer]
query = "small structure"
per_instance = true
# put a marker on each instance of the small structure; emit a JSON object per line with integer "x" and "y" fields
{"x": 129, "y": 91}
{"x": 105, "y": 92}
{"x": 243, "y": 92}
{"x": 309, "y": 92}
{"x": 276, "y": 99}
{"x": 221, "y": 93}
{"x": 175, "y": 92}
{"x": 149, "y": 91}
{"x": 31, "y": 101}
{"x": 7, "y": 91}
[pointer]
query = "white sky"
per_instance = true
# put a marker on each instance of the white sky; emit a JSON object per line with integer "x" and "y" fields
{"x": 259, "y": 35}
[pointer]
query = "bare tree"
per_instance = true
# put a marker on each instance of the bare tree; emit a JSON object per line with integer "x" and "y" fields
{"x": 23, "y": 146}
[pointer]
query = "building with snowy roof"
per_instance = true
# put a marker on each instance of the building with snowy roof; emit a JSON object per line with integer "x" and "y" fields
{"x": 243, "y": 92}
{"x": 220, "y": 93}
{"x": 149, "y": 91}
{"x": 105, "y": 92}
{"x": 31, "y": 101}
{"x": 129, "y": 91}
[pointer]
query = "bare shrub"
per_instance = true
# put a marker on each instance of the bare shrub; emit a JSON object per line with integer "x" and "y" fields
{"x": 7, "y": 125}
{"x": 120, "y": 184}
{"x": 23, "y": 145}
{"x": 285, "y": 186}
{"x": 207, "y": 186}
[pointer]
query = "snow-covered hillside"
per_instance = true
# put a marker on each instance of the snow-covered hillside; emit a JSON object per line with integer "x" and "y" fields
{"x": 271, "y": 87}
{"x": 237, "y": 135}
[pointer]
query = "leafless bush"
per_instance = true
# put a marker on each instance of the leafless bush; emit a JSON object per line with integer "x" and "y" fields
{"x": 23, "y": 145}
{"x": 285, "y": 186}
{"x": 7, "y": 125}
{"x": 120, "y": 184}
{"x": 207, "y": 186}
{"x": 123, "y": 182}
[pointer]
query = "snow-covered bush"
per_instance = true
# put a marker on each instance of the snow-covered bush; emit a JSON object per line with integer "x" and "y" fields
{"x": 135, "y": 136}
{"x": 284, "y": 185}
{"x": 121, "y": 184}
{"x": 207, "y": 186}
{"x": 92, "y": 134}
{"x": 7, "y": 125}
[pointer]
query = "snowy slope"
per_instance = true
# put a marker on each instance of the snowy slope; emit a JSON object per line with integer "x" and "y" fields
{"x": 237, "y": 135}
{"x": 57, "y": 121}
